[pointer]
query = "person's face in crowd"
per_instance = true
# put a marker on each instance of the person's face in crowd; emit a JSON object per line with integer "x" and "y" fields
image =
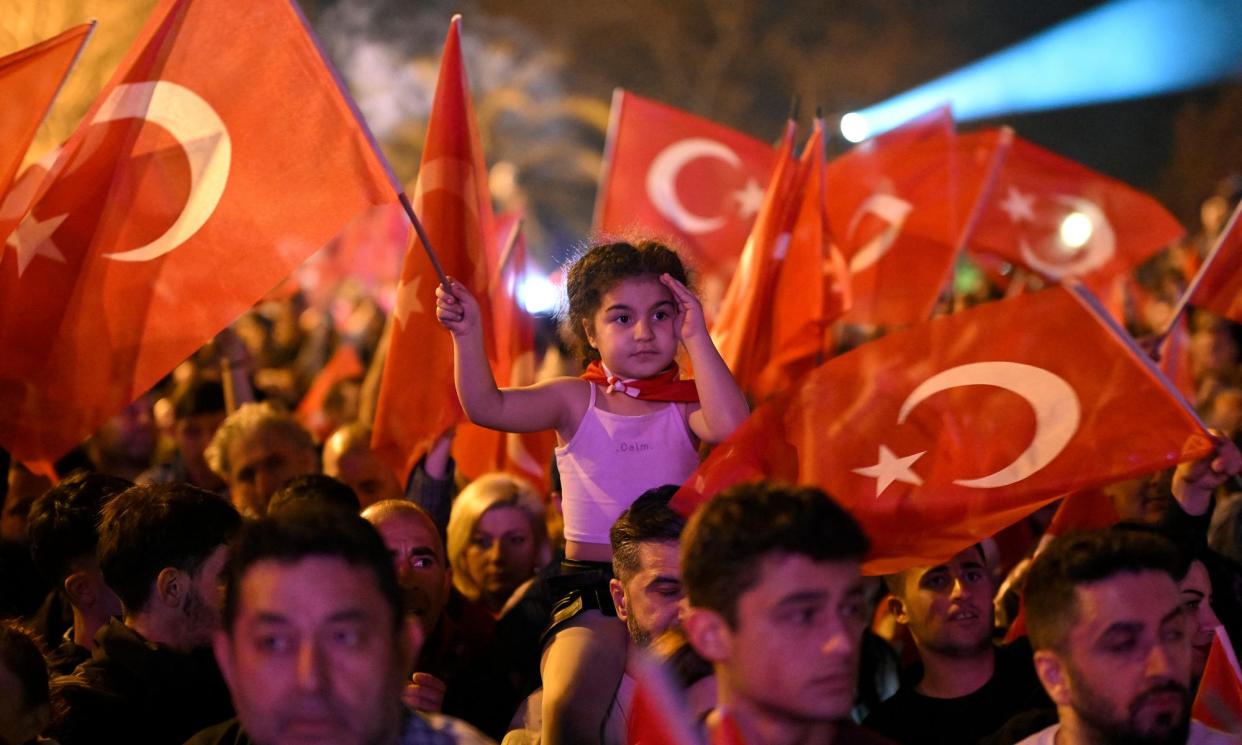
{"x": 648, "y": 600}
{"x": 1212, "y": 350}
{"x": 370, "y": 478}
{"x": 1142, "y": 500}
{"x": 1125, "y": 666}
{"x": 948, "y": 608}
{"x": 1196, "y": 591}
{"x": 201, "y": 606}
{"x": 19, "y": 722}
{"x": 313, "y": 656}
{"x": 634, "y": 328}
{"x": 502, "y": 553}
{"x": 24, "y": 488}
{"x": 418, "y": 557}
{"x": 260, "y": 462}
{"x": 793, "y": 652}
{"x": 192, "y": 434}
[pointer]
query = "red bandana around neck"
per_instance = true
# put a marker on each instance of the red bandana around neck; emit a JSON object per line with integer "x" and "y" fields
{"x": 662, "y": 387}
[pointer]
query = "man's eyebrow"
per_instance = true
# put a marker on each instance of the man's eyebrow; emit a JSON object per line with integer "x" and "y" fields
{"x": 271, "y": 618}
{"x": 349, "y": 614}
{"x": 1197, "y": 593}
{"x": 665, "y": 579}
{"x": 803, "y": 596}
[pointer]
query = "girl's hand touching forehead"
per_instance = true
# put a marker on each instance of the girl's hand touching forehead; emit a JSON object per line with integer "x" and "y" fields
{"x": 690, "y": 322}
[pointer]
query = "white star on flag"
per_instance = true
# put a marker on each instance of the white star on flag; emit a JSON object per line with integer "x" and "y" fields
{"x": 890, "y": 469}
{"x": 33, "y": 237}
{"x": 407, "y": 300}
{"x": 1019, "y": 206}
{"x": 749, "y": 198}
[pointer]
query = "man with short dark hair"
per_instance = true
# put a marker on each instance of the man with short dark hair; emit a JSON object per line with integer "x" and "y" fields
{"x": 197, "y": 411}
{"x": 256, "y": 451}
{"x": 966, "y": 688}
{"x": 316, "y": 644}
{"x": 63, "y": 537}
{"x": 1111, "y": 641}
{"x": 151, "y": 677}
{"x": 776, "y": 604}
{"x": 647, "y": 587}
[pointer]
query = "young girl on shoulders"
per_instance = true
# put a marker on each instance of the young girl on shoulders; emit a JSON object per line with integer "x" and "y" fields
{"x": 627, "y": 425}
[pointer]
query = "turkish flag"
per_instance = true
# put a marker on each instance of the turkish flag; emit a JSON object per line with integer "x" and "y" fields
{"x": 1218, "y": 286}
{"x": 367, "y": 253}
{"x": 1218, "y": 703}
{"x": 1062, "y": 219}
{"x": 938, "y": 436}
{"x": 342, "y": 365}
{"x": 811, "y": 288}
{"x": 222, "y": 153}
{"x": 741, "y": 331}
{"x": 480, "y": 450}
{"x": 658, "y": 713}
{"x": 900, "y": 205}
{"x": 418, "y": 401}
{"x": 675, "y": 174}
{"x": 30, "y": 78}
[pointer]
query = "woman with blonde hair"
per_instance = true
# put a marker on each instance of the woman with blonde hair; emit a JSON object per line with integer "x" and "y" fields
{"x": 496, "y": 538}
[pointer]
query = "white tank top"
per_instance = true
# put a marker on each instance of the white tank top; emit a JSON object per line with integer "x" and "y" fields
{"x": 612, "y": 459}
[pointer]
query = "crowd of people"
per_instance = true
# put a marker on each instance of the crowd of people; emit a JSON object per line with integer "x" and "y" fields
{"x": 212, "y": 568}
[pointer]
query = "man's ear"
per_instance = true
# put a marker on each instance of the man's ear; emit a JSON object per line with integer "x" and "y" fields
{"x": 81, "y": 590}
{"x": 708, "y": 632}
{"x": 897, "y": 608}
{"x": 171, "y": 587}
{"x": 1053, "y": 675}
{"x": 618, "y": 598}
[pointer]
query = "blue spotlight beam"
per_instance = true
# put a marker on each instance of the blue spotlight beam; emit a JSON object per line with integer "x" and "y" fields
{"x": 1122, "y": 50}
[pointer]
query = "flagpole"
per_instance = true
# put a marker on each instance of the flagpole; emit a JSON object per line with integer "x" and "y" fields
{"x": 1184, "y": 301}
{"x": 423, "y": 239}
{"x": 506, "y": 253}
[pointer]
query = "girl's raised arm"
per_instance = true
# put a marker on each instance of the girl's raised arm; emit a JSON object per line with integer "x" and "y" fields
{"x": 722, "y": 405}
{"x": 542, "y": 406}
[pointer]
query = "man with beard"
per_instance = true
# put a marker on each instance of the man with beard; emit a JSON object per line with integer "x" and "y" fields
{"x": 1112, "y": 643}
{"x": 965, "y": 688}
{"x": 150, "y": 677}
{"x": 315, "y": 644}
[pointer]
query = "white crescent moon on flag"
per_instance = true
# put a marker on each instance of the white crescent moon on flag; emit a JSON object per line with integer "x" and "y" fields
{"x": 203, "y": 136}
{"x": 662, "y": 180}
{"x": 1096, "y": 253}
{"x": 1057, "y": 412}
{"x": 894, "y": 211}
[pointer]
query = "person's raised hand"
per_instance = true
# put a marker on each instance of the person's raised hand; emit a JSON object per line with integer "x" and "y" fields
{"x": 1194, "y": 481}
{"x": 690, "y": 322}
{"x": 456, "y": 309}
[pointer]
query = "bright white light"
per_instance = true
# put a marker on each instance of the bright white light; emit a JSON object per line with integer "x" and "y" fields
{"x": 1076, "y": 230}
{"x": 854, "y": 127}
{"x": 538, "y": 295}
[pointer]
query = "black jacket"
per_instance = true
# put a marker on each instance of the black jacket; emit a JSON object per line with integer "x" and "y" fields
{"x": 135, "y": 691}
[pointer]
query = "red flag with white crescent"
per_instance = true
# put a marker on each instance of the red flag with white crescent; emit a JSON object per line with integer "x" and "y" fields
{"x": 675, "y": 174}
{"x": 31, "y": 78}
{"x": 938, "y": 436}
{"x": 900, "y": 206}
{"x": 418, "y": 401}
{"x": 222, "y": 153}
{"x": 1061, "y": 219}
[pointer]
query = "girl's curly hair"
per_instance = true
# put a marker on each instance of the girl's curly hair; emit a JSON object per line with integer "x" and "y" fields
{"x": 597, "y": 270}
